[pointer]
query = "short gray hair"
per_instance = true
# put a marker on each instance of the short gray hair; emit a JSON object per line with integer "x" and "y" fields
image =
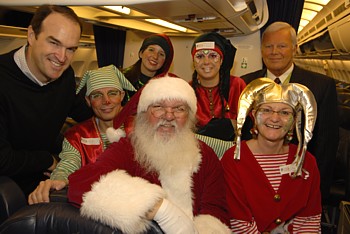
{"x": 276, "y": 26}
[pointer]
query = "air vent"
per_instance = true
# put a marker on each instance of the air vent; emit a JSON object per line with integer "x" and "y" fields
{"x": 227, "y": 32}
{"x": 246, "y": 15}
{"x": 255, "y": 14}
{"x": 321, "y": 23}
{"x": 329, "y": 17}
{"x": 339, "y": 10}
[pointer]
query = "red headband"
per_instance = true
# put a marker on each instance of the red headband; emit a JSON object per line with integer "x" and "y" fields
{"x": 206, "y": 45}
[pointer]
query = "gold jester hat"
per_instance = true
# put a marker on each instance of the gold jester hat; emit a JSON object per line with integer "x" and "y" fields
{"x": 299, "y": 97}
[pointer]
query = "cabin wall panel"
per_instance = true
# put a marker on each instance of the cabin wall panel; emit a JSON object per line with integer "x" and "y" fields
{"x": 84, "y": 59}
{"x": 337, "y": 69}
{"x": 9, "y": 43}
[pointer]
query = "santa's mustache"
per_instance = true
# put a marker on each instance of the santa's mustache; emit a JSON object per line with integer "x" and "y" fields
{"x": 165, "y": 122}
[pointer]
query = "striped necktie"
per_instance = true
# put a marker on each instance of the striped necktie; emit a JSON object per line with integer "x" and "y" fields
{"x": 277, "y": 80}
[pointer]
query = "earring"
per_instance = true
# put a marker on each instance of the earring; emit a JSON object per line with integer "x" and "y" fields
{"x": 289, "y": 136}
{"x": 254, "y": 131}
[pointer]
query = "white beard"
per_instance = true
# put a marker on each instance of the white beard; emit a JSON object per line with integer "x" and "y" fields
{"x": 175, "y": 157}
{"x": 163, "y": 153}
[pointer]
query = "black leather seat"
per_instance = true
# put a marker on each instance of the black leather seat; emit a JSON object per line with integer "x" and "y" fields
{"x": 11, "y": 198}
{"x": 58, "y": 216}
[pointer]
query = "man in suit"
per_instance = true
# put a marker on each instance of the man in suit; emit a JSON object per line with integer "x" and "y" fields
{"x": 278, "y": 47}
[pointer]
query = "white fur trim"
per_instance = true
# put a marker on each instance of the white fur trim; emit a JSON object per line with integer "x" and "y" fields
{"x": 178, "y": 187}
{"x": 207, "y": 224}
{"x": 165, "y": 88}
{"x": 178, "y": 183}
{"x": 114, "y": 135}
{"x": 121, "y": 201}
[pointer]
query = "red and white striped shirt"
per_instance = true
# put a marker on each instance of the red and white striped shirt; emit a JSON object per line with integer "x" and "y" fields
{"x": 270, "y": 164}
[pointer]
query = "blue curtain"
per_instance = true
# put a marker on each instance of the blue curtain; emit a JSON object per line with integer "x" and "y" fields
{"x": 285, "y": 10}
{"x": 110, "y": 44}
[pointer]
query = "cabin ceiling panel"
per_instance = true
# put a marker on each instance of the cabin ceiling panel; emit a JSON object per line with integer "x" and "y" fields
{"x": 228, "y": 17}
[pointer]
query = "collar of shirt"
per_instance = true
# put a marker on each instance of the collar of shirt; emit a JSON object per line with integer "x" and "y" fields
{"x": 282, "y": 77}
{"x": 20, "y": 60}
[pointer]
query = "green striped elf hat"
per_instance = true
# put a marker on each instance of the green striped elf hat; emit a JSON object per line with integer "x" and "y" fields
{"x": 108, "y": 76}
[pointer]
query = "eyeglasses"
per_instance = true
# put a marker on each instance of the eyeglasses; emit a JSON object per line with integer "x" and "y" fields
{"x": 111, "y": 94}
{"x": 212, "y": 55}
{"x": 281, "y": 113}
{"x": 159, "y": 111}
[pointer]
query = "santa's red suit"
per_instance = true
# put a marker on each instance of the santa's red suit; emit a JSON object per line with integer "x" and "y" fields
{"x": 126, "y": 191}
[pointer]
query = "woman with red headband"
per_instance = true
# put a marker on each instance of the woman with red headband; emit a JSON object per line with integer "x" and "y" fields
{"x": 217, "y": 91}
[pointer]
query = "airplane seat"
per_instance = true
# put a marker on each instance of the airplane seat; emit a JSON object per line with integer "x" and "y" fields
{"x": 343, "y": 92}
{"x": 58, "y": 216}
{"x": 340, "y": 187}
{"x": 11, "y": 198}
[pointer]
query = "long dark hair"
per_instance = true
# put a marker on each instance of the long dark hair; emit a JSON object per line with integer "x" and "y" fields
{"x": 133, "y": 72}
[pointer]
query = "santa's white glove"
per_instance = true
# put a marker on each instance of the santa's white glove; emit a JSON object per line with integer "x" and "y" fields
{"x": 173, "y": 220}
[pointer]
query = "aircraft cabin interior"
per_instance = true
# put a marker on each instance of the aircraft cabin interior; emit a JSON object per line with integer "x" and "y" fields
{"x": 113, "y": 31}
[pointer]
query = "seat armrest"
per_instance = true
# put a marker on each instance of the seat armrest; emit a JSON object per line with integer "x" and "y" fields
{"x": 11, "y": 198}
{"x": 59, "y": 195}
{"x": 57, "y": 217}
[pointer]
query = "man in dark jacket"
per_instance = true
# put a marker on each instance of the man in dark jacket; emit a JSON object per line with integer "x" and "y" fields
{"x": 37, "y": 95}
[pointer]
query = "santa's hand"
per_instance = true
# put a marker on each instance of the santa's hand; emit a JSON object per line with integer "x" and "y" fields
{"x": 172, "y": 219}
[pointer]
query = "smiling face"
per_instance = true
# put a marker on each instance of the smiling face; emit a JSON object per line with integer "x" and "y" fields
{"x": 153, "y": 58}
{"x": 273, "y": 121}
{"x": 167, "y": 117}
{"x": 278, "y": 50}
{"x": 207, "y": 64}
{"x": 106, "y": 103}
{"x": 51, "y": 51}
